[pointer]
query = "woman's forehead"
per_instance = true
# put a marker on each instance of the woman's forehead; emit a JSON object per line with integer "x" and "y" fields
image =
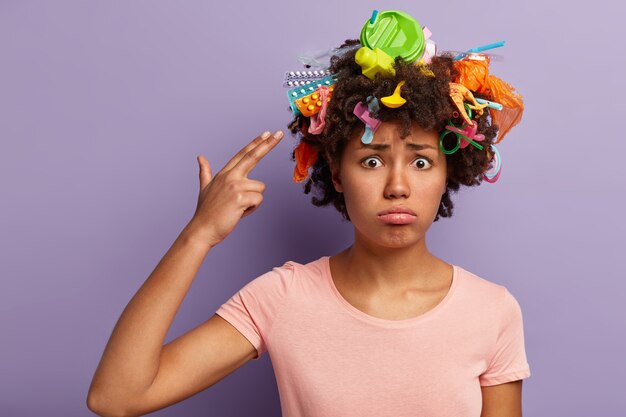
{"x": 391, "y": 132}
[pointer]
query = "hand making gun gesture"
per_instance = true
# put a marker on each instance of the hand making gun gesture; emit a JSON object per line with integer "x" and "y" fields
{"x": 230, "y": 195}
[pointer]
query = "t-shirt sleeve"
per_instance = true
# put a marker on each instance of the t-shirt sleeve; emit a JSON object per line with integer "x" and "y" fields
{"x": 255, "y": 307}
{"x": 508, "y": 362}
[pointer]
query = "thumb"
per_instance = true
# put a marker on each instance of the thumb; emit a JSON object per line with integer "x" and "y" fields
{"x": 205, "y": 172}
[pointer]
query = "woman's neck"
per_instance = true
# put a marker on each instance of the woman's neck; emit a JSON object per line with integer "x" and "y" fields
{"x": 390, "y": 269}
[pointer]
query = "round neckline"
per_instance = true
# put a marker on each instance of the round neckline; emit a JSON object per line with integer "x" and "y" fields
{"x": 385, "y": 322}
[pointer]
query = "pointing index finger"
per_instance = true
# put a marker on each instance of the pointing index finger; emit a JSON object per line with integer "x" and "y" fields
{"x": 255, "y": 142}
{"x": 252, "y": 157}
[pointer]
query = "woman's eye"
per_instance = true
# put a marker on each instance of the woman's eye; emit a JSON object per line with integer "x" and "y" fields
{"x": 422, "y": 163}
{"x": 370, "y": 162}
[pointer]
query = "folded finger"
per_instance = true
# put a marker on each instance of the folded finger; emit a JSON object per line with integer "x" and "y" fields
{"x": 254, "y": 185}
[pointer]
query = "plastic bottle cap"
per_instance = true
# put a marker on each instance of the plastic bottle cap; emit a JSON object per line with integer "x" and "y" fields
{"x": 395, "y": 32}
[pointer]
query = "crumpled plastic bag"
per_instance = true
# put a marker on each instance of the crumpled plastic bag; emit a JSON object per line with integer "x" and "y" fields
{"x": 306, "y": 156}
{"x": 474, "y": 74}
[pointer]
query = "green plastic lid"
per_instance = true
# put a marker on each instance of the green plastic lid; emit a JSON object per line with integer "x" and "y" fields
{"x": 395, "y": 32}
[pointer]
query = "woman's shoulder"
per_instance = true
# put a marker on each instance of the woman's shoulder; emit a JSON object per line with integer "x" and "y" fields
{"x": 289, "y": 271}
{"x": 487, "y": 295}
{"x": 479, "y": 285}
{"x": 316, "y": 265}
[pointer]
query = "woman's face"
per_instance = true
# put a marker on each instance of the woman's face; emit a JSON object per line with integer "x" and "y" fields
{"x": 392, "y": 172}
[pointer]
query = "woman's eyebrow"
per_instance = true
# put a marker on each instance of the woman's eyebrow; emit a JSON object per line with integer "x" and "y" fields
{"x": 382, "y": 146}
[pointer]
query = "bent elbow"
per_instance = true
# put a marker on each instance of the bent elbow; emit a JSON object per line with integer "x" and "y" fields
{"x": 103, "y": 407}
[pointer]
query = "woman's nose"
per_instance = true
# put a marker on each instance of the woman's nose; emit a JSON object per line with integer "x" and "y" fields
{"x": 397, "y": 185}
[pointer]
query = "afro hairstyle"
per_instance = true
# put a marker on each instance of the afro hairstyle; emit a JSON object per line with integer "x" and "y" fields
{"x": 428, "y": 104}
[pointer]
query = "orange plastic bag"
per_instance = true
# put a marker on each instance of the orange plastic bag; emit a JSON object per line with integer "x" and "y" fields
{"x": 474, "y": 74}
{"x": 305, "y": 158}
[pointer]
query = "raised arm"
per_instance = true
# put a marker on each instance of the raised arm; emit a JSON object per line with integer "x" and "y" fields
{"x": 137, "y": 374}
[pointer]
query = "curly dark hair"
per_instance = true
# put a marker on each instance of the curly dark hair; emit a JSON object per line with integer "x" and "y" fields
{"x": 428, "y": 103}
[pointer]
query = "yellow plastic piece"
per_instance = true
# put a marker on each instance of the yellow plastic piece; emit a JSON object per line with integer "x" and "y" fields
{"x": 460, "y": 94}
{"x": 395, "y": 100}
{"x": 374, "y": 61}
{"x": 424, "y": 69}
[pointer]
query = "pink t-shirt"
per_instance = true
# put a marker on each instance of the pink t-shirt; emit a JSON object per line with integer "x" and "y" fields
{"x": 331, "y": 359}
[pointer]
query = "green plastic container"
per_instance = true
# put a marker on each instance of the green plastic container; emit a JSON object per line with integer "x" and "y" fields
{"x": 395, "y": 32}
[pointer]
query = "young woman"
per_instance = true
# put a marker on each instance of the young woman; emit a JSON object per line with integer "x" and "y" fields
{"x": 383, "y": 328}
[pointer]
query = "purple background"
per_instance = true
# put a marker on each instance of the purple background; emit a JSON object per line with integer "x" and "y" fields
{"x": 105, "y": 105}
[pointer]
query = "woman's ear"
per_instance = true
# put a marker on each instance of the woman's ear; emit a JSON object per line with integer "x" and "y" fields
{"x": 336, "y": 177}
{"x": 334, "y": 171}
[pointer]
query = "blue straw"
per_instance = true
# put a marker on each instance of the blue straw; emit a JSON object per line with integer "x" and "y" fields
{"x": 485, "y": 47}
{"x": 480, "y": 49}
{"x": 373, "y": 18}
{"x": 491, "y": 104}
